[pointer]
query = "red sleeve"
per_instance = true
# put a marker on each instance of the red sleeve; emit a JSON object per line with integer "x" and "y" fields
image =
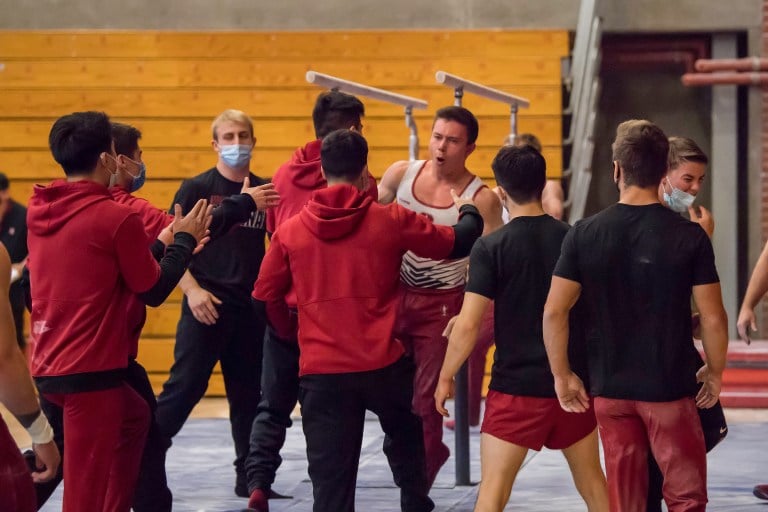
{"x": 373, "y": 189}
{"x": 137, "y": 266}
{"x": 272, "y": 285}
{"x": 154, "y": 219}
{"x": 420, "y": 235}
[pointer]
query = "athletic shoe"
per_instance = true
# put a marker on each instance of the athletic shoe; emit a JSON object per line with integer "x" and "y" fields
{"x": 241, "y": 486}
{"x": 761, "y": 491}
{"x": 258, "y": 501}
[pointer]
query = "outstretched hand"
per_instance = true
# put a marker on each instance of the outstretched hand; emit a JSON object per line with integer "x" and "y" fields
{"x": 196, "y": 222}
{"x": 265, "y": 196}
{"x": 458, "y": 201}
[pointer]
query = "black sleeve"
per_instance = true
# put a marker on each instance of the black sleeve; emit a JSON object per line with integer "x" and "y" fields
{"x": 467, "y": 230}
{"x": 158, "y": 250}
{"x": 172, "y": 267}
{"x": 567, "y": 265}
{"x": 232, "y": 210}
{"x": 482, "y": 274}
{"x": 704, "y": 270}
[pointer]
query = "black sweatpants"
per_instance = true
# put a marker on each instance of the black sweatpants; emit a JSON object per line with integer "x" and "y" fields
{"x": 236, "y": 341}
{"x": 279, "y": 392}
{"x": 333, "y": 413}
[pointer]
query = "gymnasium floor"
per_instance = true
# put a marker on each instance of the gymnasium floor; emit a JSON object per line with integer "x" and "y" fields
{"x": 201, "y": 475}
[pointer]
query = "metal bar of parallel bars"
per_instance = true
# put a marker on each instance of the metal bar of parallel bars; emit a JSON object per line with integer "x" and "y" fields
{"x": 461, "y": 85}
{"x": 461, "y": 398}
{"x": 339, "y": 84}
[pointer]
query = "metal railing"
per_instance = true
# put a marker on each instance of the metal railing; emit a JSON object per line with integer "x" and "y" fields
{"x": 339, "y": 84}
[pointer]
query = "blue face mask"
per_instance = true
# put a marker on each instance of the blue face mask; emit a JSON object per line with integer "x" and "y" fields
{"x": 236, "y": 155}
{"x": 677, "y": 200}
{"x": 139, "y": 179}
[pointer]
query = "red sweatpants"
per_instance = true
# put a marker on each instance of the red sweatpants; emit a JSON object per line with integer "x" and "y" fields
{"x": 672, "y": 431}
{"x": 16, "y": 490}
{"x": 422, "y": 317}
{"x": 104, "y": 434}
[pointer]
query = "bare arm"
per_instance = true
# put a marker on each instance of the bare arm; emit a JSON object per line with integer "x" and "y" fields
{"x": 714, "y": 337}
{"x": 461, "y": 341}
{"x": 563, "y": 294}
{"x": 490, "y": 208}
{"x": 757, "y": 288}
{"x": 17, "y": 392}
{"x": 552, "y": 198}
{"x": 391, "y": 180}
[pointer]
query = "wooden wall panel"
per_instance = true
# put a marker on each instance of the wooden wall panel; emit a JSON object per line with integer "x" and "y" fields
{"x": 172, "y": 84}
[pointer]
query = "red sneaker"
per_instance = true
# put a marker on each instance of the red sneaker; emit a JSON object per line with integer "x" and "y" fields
{"x": 258, "y": 501}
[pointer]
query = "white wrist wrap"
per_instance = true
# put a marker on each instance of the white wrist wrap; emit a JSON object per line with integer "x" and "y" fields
{"x": 40, "y": 430}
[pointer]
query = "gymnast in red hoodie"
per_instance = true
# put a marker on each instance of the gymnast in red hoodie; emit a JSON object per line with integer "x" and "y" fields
{"x": 341, "y": 254}
{"x": 88, "y": 261}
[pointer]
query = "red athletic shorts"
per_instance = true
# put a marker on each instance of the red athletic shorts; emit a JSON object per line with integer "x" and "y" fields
{"x": 533, "y": 422}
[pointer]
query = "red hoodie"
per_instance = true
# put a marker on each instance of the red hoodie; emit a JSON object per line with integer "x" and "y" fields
{"x": 342, "y": 255}
{"x": 88, "y": 257}
{"x": 153, "y": 218}
{"x": 295, "y": 181}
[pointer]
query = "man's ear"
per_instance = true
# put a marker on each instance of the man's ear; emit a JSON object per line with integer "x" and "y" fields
{"x": 322, "y": 171}
{"x": 616, "y": 172}
{"x": 470, "y": 149}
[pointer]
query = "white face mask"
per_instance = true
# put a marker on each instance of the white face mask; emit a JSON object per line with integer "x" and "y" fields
{"x": 677, "y": 200}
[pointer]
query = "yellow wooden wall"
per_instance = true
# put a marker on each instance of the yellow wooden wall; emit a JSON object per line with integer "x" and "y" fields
{"x": 171, "y": 84}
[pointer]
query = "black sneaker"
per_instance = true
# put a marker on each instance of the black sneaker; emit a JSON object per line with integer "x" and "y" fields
{"x": 241, "y": 486}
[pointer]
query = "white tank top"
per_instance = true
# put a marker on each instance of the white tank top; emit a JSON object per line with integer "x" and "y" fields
{"x": 421, "y": 272}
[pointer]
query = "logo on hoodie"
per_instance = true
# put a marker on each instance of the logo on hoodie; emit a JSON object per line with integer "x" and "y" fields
{"x": 40, "y": 327}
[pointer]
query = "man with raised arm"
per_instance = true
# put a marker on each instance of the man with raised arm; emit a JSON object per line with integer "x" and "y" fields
{"x": 341, "y": 257}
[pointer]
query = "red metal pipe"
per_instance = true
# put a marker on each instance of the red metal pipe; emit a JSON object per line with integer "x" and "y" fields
{"x": 745, "y": 64}
{"x": 728, "y": 78}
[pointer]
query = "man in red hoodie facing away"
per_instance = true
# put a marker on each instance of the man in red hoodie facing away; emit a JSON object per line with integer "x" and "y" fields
{"x": 84, "y": 309}
{"x": 341, "y": 257}
{"x": 295, "y": 181}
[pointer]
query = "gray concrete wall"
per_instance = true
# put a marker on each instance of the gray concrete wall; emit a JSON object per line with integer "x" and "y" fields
{"x": 620, "y": 15}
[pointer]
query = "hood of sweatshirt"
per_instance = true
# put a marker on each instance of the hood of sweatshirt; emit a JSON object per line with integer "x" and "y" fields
{"x": 304, "y": 167}
{"x": 335, "y": 212}
{"x": 54, "y": 205}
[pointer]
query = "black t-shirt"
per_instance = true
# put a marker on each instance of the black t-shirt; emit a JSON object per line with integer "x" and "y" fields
{"x": 637, "y": 266}
{"x": 229, "y": 264}
{"x": 513, "y": 266}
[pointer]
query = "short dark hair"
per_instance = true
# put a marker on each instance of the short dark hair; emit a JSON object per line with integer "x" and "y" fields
{"x": 4, "y": 183}
{"x": 521, "y": 171}
{"x": 78, "y": 139}
{"x": 126, "y": 139}
{"x": 335, "y": 110}
{"x": 344, "y": 154}
{"x": 641, "y": 148}
{"x": 462, "y": 116}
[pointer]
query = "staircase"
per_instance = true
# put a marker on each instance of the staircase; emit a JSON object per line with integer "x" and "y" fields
{"x": 745, "y": 380}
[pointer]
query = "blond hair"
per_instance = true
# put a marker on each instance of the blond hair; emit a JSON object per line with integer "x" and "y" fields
{"x": 236, "y": 116}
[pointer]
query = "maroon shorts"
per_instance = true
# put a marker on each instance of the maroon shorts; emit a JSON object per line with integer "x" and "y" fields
{"x": 533, "y": 422}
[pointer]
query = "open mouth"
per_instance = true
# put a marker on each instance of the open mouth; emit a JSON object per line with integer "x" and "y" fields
{"x": 440, "y": 159}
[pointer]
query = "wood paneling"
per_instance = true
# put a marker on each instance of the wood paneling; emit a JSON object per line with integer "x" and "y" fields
{"x": 172, "y": 84}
